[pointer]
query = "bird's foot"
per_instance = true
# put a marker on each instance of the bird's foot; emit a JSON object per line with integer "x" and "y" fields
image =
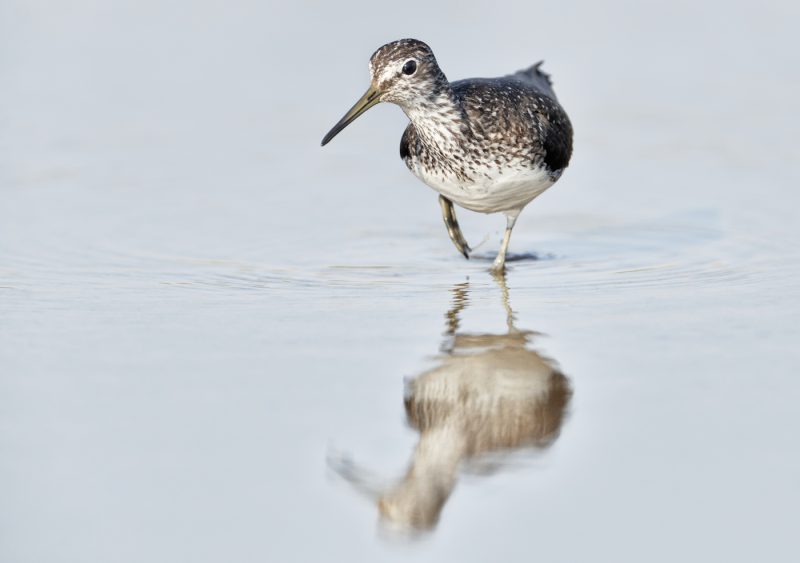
{"x": 498, "y": 268}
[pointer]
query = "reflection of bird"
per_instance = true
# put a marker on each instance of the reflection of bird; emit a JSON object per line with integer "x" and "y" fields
{"x": 488, "y": 145}
{"x": 488, "y": 394}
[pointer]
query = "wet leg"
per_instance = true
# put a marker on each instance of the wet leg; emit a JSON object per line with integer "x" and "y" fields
{"x": 450, "y": 221}
{"x": 499, "y": 265}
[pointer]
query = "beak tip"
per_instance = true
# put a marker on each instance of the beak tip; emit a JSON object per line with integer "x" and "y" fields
{"x": 369, "y": 99}
{"x": 328, "y": 137}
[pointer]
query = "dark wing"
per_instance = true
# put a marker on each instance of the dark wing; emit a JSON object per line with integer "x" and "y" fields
{"x": 408, "y": 143}
{"x": 521, "y": 113}
{"x": 558, "y": 143}
{"x": 558, "y": 137}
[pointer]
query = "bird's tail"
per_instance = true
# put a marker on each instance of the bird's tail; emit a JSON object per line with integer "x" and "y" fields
{"x": 538, "y": 78}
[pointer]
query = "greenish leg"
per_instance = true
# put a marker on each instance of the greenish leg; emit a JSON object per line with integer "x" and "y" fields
{"x": 450, "y": 221}
{"x": 499, "y": 265}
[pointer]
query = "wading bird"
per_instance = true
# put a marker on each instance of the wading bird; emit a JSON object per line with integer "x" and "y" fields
{"x": 487, "y": 144}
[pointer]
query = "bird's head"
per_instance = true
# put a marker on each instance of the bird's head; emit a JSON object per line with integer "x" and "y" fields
{"x": 402, "y": 72}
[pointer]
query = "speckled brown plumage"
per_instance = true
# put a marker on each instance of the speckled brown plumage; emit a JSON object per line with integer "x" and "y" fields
{"x": 487, "y": 144}
{"x": 502, "y": 122}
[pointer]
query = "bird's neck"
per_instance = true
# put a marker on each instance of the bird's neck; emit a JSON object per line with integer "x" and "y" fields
{"x": 438, "y": 119}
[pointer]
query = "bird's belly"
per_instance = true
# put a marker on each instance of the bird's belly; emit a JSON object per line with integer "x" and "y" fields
{"x": 491, "y": 191}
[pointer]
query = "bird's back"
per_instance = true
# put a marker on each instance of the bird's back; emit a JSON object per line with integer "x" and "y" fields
{"x": 520, "y": 113}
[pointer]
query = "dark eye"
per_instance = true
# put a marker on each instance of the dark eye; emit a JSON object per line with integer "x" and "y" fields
{"x": 410, "y": 67}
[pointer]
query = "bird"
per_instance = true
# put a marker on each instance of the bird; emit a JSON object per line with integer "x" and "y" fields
{"x": 485, "y": 144}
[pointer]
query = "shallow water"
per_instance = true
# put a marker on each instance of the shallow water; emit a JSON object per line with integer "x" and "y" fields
{"x": 209, "y": 325}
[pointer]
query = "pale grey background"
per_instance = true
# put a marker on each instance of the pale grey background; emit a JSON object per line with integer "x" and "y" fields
{"x": 197, "y": 303}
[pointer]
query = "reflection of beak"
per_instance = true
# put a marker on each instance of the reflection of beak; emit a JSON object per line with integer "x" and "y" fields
{"x": 368, "y": 100}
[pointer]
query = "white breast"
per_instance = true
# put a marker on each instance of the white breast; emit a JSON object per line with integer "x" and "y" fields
{"x": 492, "y": 190}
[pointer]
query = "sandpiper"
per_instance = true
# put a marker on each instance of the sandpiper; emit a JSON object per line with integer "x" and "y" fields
{"x": 487, "y": 144}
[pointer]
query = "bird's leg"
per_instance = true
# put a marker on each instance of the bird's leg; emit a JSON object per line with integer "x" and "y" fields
{"x": 450, "y": 221}
{"x": 499, "y": 265}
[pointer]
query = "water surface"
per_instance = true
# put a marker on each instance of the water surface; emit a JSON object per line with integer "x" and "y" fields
{"x": 202, "y": 313}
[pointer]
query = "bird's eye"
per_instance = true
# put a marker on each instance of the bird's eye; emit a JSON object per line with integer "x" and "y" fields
{"x": 410, "y": 67}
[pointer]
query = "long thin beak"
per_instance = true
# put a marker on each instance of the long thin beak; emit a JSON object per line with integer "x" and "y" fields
{"x": 368, "y": 100}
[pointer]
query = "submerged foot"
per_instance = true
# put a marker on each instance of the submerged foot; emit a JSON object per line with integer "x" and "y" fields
{"x": 498, "y": 269}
